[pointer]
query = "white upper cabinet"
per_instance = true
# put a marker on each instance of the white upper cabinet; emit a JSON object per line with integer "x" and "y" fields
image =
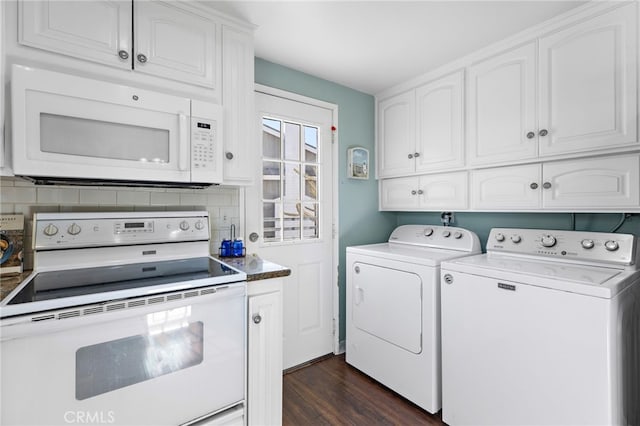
{"x": 176, "y": 43}
{"x": 439, "y": 131}
{"x": 99, "y": 31}
{"x": 588, "y": 75}
{"x": 436, "y": 192}
{"x": 172, "y": 39}
{"x": 501, "y": 107}
{"x": 396, "y": 135}
{"x": 506, "y": 188}
{"x": 421, "y": 130}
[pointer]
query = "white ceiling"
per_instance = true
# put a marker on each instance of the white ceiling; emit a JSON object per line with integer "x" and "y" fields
{"x": 372, "y": 45}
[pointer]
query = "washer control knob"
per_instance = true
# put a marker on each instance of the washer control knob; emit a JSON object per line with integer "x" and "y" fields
{"x": 588, "y": 244}
{"x": 50, "y": 230}
{"x": 500, "y": 237}
{"x": 184, "y": 225}
{"x": 446, "y": 234}
{"x": 611, "y": 245}
{"x": 74, "y": 229}
{"x": 548, "y": 240}
{"x": 457, "y": 235}
{"x": 448, "y": 278}
{"x": 199, "y": 225}
{"x": 428, "y": 232}
{"x": 516, "y": 238}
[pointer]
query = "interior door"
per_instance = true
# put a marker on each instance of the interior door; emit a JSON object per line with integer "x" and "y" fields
{"x": 289, "y": 218}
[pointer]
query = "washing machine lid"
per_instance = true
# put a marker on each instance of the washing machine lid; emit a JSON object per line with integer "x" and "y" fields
{"x": 407, "y": 253}
{"x": 584, "y": 279}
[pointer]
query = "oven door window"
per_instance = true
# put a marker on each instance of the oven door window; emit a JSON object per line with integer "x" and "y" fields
{"x": 171, "y": 345}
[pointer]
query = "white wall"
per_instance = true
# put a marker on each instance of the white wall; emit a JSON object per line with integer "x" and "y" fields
{"x": 19, "y": 196}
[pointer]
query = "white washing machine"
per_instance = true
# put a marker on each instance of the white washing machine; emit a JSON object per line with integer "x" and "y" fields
{"x": 543, "y": 329}
{"x": 393, "y": 308}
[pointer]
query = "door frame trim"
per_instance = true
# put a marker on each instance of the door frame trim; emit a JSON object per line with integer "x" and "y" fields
{"x": 335, "y": 163}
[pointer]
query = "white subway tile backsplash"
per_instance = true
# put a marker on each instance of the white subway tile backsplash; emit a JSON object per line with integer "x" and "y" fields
{"x": 97, "y": 196}
{"x": 164, "y": 199}
{"x": 52, "y": 195}
{"x": 18, "y": 195}
{"x": 130, "y": 198}
{"x": 193, "y": 199}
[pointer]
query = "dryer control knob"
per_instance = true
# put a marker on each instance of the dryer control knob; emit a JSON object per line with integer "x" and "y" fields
{"x": 428, "y": 232}
{"x": 611, "y": 245}
{"x": 457, "y": 235}
{"x": 548, "y": 240}
{"x": 500, "y": 237}
{"x": 446, "y": 234}
{"x": 588, "y": 244}
{"x": 516, "y": 238}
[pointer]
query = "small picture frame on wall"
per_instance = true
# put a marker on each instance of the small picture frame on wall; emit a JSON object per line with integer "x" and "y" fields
{"x": 358, "y": 163}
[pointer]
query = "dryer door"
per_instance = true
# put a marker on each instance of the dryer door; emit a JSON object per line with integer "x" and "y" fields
{"x": 387, "y": 303}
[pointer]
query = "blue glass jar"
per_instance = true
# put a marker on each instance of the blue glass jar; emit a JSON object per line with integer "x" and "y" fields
{"x": 238, "y": 248}
{"x": 226, "y": 248}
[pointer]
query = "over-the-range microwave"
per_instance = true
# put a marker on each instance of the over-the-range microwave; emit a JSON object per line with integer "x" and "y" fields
{"x": 76, "y": 130}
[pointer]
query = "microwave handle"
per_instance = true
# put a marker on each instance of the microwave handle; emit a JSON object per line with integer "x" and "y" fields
{"x": 184, "y": 142}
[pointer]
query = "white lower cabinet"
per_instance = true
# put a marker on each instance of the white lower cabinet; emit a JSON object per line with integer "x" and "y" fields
{"x": 596, "y": 184}
{"x": 442, "y": 191}
{"x": 264, "y": 360}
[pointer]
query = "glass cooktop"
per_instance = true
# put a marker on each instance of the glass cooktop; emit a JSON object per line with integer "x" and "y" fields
{"x": 87, "y": 281}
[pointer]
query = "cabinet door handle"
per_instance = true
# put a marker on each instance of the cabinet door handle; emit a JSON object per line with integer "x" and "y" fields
{"x": 257, "y": 319}
{"x": 533, "y": 185}
{"x": 413, "y": 192}
{"x": 543, "y": 132}
{"x": 531, "y": 135}
{"x": 417, "y": 154}
{"x": 546, "y": 185}
{"x": 124, "y": 55}
{"x": 142, "y": 58}
{"x": 410, "y": 156}
{"x": 229, "y": 155}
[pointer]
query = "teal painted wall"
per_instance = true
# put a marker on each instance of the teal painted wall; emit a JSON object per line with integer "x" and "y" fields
{"x": 359, "y": 219}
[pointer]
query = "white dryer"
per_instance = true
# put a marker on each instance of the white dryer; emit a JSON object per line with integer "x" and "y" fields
{"x": 393, "y": 308}
{"x": 544, "y": 329}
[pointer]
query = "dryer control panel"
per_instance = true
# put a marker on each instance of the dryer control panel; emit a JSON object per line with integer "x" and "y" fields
{"x": 442, "y": 237}
{"x": 620, "y": 249}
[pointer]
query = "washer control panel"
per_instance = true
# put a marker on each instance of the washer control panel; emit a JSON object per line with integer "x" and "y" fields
{"x": 72, "y": 230}
{"x": 444, "y": 237}
{"x": 604, "y": 247}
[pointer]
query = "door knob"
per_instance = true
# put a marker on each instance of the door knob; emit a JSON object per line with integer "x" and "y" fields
{"x": 253, "y": 237}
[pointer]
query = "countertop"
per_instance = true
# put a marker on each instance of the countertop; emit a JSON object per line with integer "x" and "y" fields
{"x": 255, "y": 268}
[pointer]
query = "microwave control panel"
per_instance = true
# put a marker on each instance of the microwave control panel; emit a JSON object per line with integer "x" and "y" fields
{"x": 205, "y": 151}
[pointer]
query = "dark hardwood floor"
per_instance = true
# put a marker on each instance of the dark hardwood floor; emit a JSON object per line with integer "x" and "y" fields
{"x": 331, "y": 392}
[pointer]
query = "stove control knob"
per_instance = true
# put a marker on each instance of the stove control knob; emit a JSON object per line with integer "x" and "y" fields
{"x": 611, "y": 245}
{"x": 588, "y": 244}
{"x": 199, "y": 225}
{"x": 548, "y": 240}
{"x": 50, "y": 230}
{"x": 446, "y": 234}
{"x": 428, "y": 232}
{"x": 457, "y": 235}
{"x": 500, "y": 237}
{"x": 184, "y": 225}
{"x": 74, "y": 229}
{"x": 516, "y": 238}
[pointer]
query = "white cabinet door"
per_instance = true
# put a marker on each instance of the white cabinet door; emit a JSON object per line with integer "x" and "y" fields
{"x": 512, "y": 188}
{"x": 501, "y": 107}
{"x": 399, "y": 193}
{"x": 396, "y": 135}
{"x": 444, "y": 191}
{"x": 97, "y": 30}
{"x": 588, "y": 97}
{"x": 439, "y": 132}
{"x": 264, "y": 383}
{"x": 240, "y": 160}
{"x": 173, "y": 42}
{"x": 600, "y": 183}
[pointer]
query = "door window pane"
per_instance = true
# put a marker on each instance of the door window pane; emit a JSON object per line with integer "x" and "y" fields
{"x": 271, "y": 180}
{"x": 291, "y": 181}
{"x": 271, "y": 138}
{"x": 310, "y": 221}
{"x": 310, "y": 183}
{"x": 291, "y": 230}
{"x": 292, "y": 141}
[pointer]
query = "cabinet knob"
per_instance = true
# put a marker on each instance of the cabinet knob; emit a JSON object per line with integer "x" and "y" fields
{"x": 543, "y": 132}
{"x": 531, "y": 135}
{"x": 257, "y": 319}
{"x": 533, "y": 185}
{"x": 229, "y": 155}
{"x": 417, "y": 154}
{"x": 124, "y": 55}
{"x": 546, "y": 185}
{"x": 142, "y": 58}
{"x": 420, "y": 192}
{"x": 410, "y": 156}
{"x": 413, "y": 192}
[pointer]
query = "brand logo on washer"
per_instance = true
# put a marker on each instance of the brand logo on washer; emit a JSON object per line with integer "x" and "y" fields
{"x": 507, "y": 286}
